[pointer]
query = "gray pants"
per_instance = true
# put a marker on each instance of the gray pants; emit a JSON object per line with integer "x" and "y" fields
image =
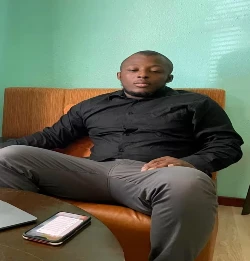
{"x": 181, "y": 201}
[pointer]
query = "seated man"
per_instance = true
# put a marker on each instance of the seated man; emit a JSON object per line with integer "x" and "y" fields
{"x": 154, "y": 151}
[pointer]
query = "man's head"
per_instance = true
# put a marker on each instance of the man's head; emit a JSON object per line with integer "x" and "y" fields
{"x": 145, "y": 72}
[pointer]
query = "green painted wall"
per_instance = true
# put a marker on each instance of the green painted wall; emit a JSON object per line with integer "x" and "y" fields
{"x": 80, "y": 43}
{"x": 3, "y": 37}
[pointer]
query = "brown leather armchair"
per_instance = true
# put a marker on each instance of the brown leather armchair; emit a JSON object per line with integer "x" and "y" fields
{"x": 130, "y": 227}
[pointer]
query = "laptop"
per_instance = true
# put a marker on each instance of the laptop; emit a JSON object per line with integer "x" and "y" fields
{"x": 11, "y": 216}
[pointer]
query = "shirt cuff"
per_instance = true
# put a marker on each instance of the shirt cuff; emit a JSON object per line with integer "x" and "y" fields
{"x": 199, "y": 163}
{"x": 8, "y": 143}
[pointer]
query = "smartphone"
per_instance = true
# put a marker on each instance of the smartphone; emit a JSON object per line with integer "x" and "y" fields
{"x": 58, "y": 228}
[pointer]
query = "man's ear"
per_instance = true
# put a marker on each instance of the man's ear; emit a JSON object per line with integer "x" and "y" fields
{"x": 170, "y": 78}
{"x": 119, "y": 76}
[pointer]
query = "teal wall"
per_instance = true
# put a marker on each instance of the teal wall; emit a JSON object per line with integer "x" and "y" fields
{"x": 80, "y": 43}
{"x": 3, "y": 37}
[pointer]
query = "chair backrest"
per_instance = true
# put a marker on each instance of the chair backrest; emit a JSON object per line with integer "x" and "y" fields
{"x": 27, "y": 110}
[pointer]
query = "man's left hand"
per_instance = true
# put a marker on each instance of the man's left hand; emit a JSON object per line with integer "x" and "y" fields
{"x": 165, "y": 162}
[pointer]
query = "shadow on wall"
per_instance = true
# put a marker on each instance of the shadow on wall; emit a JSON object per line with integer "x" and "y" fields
{"x": 234, "y": 76}
{"x": 234, "y": 69}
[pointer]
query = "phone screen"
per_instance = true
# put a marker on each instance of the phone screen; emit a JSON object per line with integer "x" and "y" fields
{"x": 57, "y": 227}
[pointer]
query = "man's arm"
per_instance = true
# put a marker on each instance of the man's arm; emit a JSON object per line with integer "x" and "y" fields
{"x": 219, "y": 143}
{"x": 66, "y": 130}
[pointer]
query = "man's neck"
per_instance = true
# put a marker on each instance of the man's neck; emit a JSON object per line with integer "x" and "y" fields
{"x": 130, "y": 96}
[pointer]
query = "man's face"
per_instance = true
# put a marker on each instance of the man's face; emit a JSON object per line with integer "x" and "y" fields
{"x": 143, "y": 75}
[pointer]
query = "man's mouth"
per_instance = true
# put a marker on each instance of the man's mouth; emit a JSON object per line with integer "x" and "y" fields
{"x": 141, "y": 84}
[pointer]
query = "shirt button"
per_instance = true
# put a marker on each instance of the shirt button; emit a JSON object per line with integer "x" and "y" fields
{"x": 158, "y": 134}
{"x": 121, "y": 150}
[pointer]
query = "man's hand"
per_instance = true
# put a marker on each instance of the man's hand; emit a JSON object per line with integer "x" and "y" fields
{"x": 165, "y": 162}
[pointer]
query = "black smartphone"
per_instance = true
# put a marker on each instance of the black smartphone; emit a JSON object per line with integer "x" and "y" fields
{"x": 57, "y": 229}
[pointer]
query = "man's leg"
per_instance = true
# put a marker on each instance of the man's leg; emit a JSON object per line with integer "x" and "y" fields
{"x": 182, "y": 202}
{"x": 53, "y": 173}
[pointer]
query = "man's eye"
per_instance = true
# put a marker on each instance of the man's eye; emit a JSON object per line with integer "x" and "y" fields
{"x": 132, "y": 70}
{"x": 156, "y": 71}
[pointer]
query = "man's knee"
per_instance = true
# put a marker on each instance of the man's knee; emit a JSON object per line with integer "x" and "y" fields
{"x": 186, "y": 182}
{"x": 13, "y": 152}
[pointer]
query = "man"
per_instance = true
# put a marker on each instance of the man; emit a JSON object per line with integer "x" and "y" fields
{"x": 154, "y": 150}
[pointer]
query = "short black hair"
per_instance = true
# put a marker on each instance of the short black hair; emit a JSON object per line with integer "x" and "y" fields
{"x": 152, "y": 53}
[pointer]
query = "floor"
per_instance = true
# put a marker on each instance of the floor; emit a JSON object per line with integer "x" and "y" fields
{"x": 233, "y": 239}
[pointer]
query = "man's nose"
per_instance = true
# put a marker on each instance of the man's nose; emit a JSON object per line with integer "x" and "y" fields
{"x": 142, "y": 74}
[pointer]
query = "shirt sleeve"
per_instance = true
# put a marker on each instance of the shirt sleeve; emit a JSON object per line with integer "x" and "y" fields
{"x": 219, "y": 144}
{"x": 69, "y": 128}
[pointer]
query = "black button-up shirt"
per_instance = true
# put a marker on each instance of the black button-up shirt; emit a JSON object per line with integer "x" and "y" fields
{"x": 180, "y": 124}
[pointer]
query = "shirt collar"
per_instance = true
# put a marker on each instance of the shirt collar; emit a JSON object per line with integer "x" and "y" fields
{"x": 164, "y": 91}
